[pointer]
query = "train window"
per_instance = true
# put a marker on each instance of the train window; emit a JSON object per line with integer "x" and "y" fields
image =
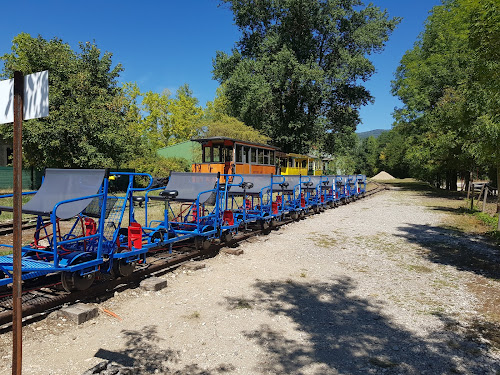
{"x": 272, "y": 160}
{"x": 260, "y": 159}
{"x": 244, "y": 151}
{"x": 216, "y": 155}
{"x": 304, "y": 163}
{"x": 266, "y": 157}
{"x": 203, "y": 154}
{"x": 226, "y": 154}
{"x": 253, "y": 155}
{"x": 239, "y": 150}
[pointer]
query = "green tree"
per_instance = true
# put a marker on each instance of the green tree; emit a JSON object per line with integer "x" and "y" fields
{"x": 368, "y": 156}
{"x": 217, "y": 122}
{"x": 184, "y": 116}
{"x": 297, "y": 71}
{"x": 85, "y": 127}
{"x": 449, "y": 86}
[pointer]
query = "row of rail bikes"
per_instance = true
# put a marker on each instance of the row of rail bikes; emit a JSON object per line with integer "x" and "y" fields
{"x": 83, "y": 230}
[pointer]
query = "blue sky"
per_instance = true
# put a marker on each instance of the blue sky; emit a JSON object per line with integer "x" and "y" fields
{"x": 164, "y": 44}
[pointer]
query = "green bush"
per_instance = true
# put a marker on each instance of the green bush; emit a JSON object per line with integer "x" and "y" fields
{"x": 158, "y": 167}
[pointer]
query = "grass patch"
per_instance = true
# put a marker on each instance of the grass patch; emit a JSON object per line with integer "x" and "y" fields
{"x": 323, "y": 240}
{"x": 419, "y": 268}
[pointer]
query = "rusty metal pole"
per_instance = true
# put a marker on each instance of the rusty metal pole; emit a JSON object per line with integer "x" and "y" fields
{"x": 17, "y": 316}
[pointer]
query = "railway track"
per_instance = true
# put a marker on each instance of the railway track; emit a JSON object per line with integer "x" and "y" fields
{"x": 39, "y": 299}
{"x": 8, "y": 228}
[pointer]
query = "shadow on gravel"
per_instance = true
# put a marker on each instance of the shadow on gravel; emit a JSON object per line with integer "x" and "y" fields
{"x": 464, "y": 252}
{"x": 142, "y": 356}
{"x": 337, "y": 332}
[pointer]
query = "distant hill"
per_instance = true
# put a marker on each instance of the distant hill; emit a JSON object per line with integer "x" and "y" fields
{"x": 374, "y": 133}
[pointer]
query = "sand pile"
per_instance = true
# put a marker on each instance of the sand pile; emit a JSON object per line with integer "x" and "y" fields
{"x": 382, "y": 176}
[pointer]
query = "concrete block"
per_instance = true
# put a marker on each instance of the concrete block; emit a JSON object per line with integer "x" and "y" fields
{"x": 193, "y": 266}
{"x": 79, "y": 313}
{"x": 232, "y": 251}
{"x": 153, "y": 284}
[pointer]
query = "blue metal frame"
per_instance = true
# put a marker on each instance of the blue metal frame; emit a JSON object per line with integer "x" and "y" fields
{"x": 72, "y": 252}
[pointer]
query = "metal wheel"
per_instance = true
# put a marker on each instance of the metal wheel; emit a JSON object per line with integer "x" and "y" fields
{"x": 72, "y": 281}
{"x": 227, "y": 236}
{"x": 202, "y": 243}
{"x": 264, "y": 224}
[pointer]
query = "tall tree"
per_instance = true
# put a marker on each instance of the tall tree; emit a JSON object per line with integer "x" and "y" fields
{"x": 86, "y": 126}
{"x": 297, "y": 71}
{"x": 449, "y": 86}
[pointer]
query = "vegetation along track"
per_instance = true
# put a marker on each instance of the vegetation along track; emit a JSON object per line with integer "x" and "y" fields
{"x": 40, "y": 298}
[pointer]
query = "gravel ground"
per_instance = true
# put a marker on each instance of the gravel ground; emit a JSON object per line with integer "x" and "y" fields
{"x": 355, "y": 290}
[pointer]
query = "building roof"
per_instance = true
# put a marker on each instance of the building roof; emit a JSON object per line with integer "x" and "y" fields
{"x": 203, "y": 140}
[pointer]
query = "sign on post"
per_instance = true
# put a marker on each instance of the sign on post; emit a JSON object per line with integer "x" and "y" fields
{"x": 36, "y": 97}
{"x": 21, "y": 98}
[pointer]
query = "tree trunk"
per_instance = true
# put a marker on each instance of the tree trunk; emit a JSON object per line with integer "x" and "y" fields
{"x": 498, "y": 196}
{"x": 453, "y": 181}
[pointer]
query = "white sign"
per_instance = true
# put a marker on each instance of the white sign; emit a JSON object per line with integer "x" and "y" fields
{"x": 36, "y": 97}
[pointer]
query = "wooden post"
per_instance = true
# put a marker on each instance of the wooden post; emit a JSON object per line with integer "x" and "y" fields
{"x": 480, "y": 193}
{"x": 17, "y": 314}
{"x": 472, "y": 198}
{"x": 485, "y": 198}
{"x": 469, "y": 185}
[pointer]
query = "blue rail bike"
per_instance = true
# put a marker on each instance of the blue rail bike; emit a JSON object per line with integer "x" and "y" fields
{"x": 78, "y": 228}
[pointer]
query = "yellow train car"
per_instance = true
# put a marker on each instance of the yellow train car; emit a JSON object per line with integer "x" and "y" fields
{"x": 228, "y": 155}
{"x": 294, "y": 164}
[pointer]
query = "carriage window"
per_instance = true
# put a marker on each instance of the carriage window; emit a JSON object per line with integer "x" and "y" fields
{"x": 216, "y": 157}
{"x": 226, "y": 154}
{"x": 304, "y": 163}
{"x": 239, "y": 150}
{"x": 253, "y": 155}
{"x": 260, "y": 157}
{"x": 203, "y": 154}
{"x": 266, "y": 157}
{"x": 244, "y": 151}
{"x": 272, "y": 160}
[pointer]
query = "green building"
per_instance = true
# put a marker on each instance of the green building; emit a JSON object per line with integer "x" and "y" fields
{"x": 189, "y": 150}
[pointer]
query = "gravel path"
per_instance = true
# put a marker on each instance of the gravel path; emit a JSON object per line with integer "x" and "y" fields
{"x": 355, "y": 290}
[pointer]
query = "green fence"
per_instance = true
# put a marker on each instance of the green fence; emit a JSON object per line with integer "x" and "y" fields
{"x": 32, "y": 178}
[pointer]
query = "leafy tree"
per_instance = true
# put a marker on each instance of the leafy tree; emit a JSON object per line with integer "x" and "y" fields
{"x": 85, "y": 127}
{"x": 368, "y": 156}
{"x": 185, "y": 116}
{"x": 217, "y": 122}
{"x": 231, "y": 127}
{"x": 392, "y": 147}
{"x": 297, "y": 71}
{"x": 449, "y": 86}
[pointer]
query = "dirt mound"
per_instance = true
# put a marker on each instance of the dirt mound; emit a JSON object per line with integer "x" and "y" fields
{"x": 382, "y": 176}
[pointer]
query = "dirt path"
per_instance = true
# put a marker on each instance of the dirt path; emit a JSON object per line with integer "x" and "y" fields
{"x": 356, "y": 290}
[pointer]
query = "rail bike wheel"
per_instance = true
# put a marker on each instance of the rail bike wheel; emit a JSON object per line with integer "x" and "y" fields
{"x": 294, "y": 216}
{"x": 202, "y": 243}
{"x": 264, "y": 225}
{"x": 72, "y": 281}
{"x": 123, "y": 268}
{"x": 227, "y": 236}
